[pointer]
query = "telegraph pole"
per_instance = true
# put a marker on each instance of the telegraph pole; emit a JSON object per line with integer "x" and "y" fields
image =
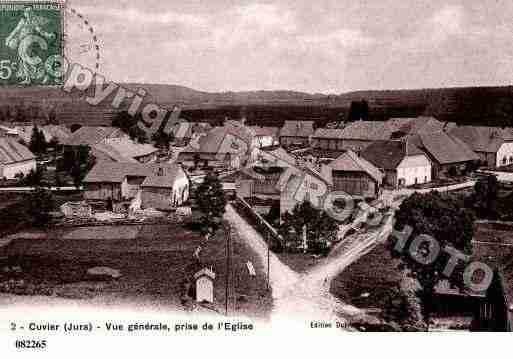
{"x": 228, "y": 238}
{"x": 268, "y": 262}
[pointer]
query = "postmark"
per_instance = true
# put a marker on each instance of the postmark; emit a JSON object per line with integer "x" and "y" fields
{"x": 31, "y": 42}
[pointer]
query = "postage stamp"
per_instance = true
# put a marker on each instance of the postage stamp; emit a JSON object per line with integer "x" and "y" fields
{"x": 31, "y": 42}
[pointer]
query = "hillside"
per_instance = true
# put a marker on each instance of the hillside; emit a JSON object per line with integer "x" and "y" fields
{"x": 472, "y": 105}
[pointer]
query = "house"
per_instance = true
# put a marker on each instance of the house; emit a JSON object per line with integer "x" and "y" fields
{"x": 231, "y": 146}
{"x": 205, "y": 285}
{"x": 141, "y": 152}
{"x": 447, "y": 153}
{"x": 15, "y": 158}
{"x": 403, "y": 163}
{"x": 92, "y": 135}
{"x": 400, "y": 127}
{"x": 266, "y": 136}
{"x": 355, "y": 136}
{"x": 354, "y": 175}
{"x": 161, "y": 186}
{"x": 182, "y": 132}
{"x": 296, "y": 133}
{"x": 493, "y": 145}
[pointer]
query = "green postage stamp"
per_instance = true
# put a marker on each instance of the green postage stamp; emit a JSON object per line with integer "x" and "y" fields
{"x": 31, "y": 42}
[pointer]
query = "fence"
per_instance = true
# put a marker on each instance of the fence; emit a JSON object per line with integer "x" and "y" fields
{"x": 258, "y": 222}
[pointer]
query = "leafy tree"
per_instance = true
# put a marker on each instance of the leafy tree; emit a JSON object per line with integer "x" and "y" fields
{"x": 39, "y": 205}
{"x": 443, "y": 219}
{"x": 136, "y": 134}
{"x": 162, "y": 140}
{"x": 34, "y": 177}
{"x": 211, "y": 200}
{"x": 37, "y": 141}
{"x": 484, "y": 198}
{"x": 359, "y": 110}
{"x": 273, "y": 216}
{"x": 321, "y": 229}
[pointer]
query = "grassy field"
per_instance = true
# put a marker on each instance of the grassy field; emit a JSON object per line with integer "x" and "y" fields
{"x": 368, "y": 282}
{"x": 156, "y": 262}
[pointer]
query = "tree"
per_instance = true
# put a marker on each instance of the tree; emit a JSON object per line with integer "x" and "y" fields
{"x": 444, "y": 220}
{"x": 37, "y": 141}
{"x": 136, "y": 134}
{"x": 273, "y": 216}
{"x": 321, "y": 229}
{"x": 211, "y": 200}
{"x": 485, "y": 197}
{"x": 162, "y": 140}
{"x": 39, "y": 205}
{"x": 34, "y": 177}
{"x": 359, "y": 110}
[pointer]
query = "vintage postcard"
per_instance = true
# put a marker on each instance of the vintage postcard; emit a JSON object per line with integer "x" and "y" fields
{"x": 196, "y": 174}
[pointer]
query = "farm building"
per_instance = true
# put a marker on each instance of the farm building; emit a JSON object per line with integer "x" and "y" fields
{"x": 15, "y": 158}
{"x": 354, "y": 175}
{"x": 266, "y": 136}
{"x": 140, "y": 152}
{"x": 355, "y": 136}
{"x": 296, "y": 133}
{"x": 493, "y": 145}
{"x": 447, "y": 153}
{"x": 92, "y": 135}
{"x": 403, "y": 163}
{"x": 227, "y": 146}
{"x": 161, "y": 186}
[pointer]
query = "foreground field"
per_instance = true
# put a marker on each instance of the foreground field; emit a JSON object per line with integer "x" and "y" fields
{"x": 156, "y": 263}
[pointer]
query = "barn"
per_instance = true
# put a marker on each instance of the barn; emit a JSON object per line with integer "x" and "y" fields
{"x": 15, "y": 158}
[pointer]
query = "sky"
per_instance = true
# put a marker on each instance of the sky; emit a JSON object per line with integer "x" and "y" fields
{"x": 313, "y": 46}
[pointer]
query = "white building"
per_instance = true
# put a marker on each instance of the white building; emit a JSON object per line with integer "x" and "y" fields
{"x": 403, "y": 163}
{"x": 15, "y": 158}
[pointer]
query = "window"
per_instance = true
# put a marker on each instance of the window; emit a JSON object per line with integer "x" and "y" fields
{"x": 504, "y": 160}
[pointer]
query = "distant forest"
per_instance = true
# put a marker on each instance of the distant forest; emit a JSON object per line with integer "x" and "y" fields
{"x": 489, "y": 106}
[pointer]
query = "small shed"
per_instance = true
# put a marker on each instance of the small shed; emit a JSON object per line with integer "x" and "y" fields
{"x": 205, "y": 285}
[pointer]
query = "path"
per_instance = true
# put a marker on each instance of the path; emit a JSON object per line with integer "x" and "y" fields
{"x": 307, "y": 296}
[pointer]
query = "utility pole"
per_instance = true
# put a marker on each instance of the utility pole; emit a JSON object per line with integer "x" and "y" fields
{"x": 228, "y": 259}
{"x": 268, "y": 261}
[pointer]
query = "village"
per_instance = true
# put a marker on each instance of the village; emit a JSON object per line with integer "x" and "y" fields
{"x": 237, "y": 218}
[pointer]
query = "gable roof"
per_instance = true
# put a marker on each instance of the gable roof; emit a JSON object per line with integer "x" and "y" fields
{"x": 483, "y": 138}
{"x": 328, "y": 133}
{"x": 444, "y": 148}
{"x": 91, "y": 135}
{"x": 212, "y": 141}
{"x": 297, "y": 129}
{"x": 11, "y": 151}
{"x": 265, "y": 131}
{"x": 132, "y": 149}
{"x": 103, "y": 151}
{"x": 366, "y": 130}
{"x": 351, "y": 162}
{"x": 389, "y": 154}
{"x": 156, "y": 174}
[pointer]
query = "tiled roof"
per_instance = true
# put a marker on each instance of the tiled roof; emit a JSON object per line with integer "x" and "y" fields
{"x": 389, "y": 154}
{"x": 265, "y": 131}
{"x": 332, "y": 133}
{"x": 91, "y": 135}
{"x": 129, "y": 148}
{"x": 366, "y": 130}
{"x": 444, "y": 148}
{"x": 212, "y": 141}
{"x": 482, "y": 138}
{"x": 104, "y": 151}
{"x": 351, "y": 162}
{"x": 297, "y": 129}
{"x": 11, "y": 151}
{"x": 156, "y": 174}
